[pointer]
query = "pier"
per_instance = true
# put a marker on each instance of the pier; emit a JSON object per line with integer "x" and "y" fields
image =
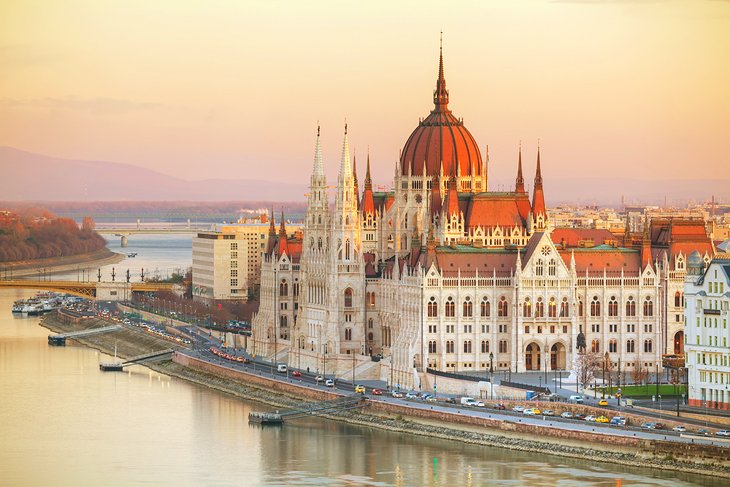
{"x": 60, "y": 339}
{"x": 310, "y": 409}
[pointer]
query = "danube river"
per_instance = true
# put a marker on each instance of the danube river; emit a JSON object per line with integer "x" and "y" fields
{"x": 65, "y": 423}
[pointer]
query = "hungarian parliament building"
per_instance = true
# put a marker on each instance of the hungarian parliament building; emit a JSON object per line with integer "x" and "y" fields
{"x": 441, "y": 273}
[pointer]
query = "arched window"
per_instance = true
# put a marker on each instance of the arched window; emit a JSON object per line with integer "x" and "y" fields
{"x": 527, "y": 308}
{"x": 595, "y": 346}
{"x": 631, "y": 307}
{"x": 503, "y": 309}
{"x": 450, "y": 307}
{"x": 433, "y": 307}
{"x": 467, "y": 308}
{"x": 467, "y": 346}
{"x": 595, "y": 307}
{"x": 539, "y": 308}
{"x": 630, "y": 345}
{"x": 432, "y": 346}
{"x": 648, "y": 307}
{"x": 647, "y": 346}
{"x": 612, "y": 345}
{"x": 348, "y": 298}
{"x": 485, "y": 346}
{"x": 539, "y": 267}
{"x": 677, "y": 299}
{"x": 564, "y": 309}
{"x": 283, "y": 288}
{"x": 552, "y": 268}
{"x": 552, "y": 308}
{"x": 613, "y": 307}
{"x": 485, "y": 307}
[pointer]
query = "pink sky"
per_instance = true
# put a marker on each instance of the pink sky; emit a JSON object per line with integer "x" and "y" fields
{"x": 234, "y": 89}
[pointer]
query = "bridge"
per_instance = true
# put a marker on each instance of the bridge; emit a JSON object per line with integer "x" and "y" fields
{"x": 139, "y": 359}
{"x": 60, "y": 339}
{"x": 107, "y": 291}
{"x": 312, "y": 409}
{"x": 125, "y": 231}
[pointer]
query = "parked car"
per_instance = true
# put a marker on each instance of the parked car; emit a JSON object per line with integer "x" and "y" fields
{"x": 329, "y": 383}
{"x": 499, "y": 406}
{"x": 360, "y": 389}
{"x": 377, "y": 392}
{"x": 601, "y": 419}
{"x": 396, "y": 394}
{"x": 566, "y": 415}
{"x": 518, "y": 409}
{"x": 722, "y": 433}
{"x": 603, "y": 402}
{"x": 296, "y": 373}
{"x": 679, "y": 429}
{"x": 548, "y": 412}
{"x": 590, "y": 419}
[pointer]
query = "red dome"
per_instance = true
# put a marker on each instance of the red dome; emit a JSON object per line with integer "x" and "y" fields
{"x": 441, "y": 137}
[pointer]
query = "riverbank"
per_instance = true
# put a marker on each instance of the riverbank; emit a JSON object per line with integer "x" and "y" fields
{"x": 92, "y": 260}
{"x": 400, "y": 418}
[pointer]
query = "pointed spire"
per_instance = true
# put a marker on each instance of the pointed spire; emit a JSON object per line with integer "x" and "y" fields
{"x": 520, "y": 181}
{"x": 345, "y": 167}
{"x": 318, "y": 164}
{"x": 441, "y": 94}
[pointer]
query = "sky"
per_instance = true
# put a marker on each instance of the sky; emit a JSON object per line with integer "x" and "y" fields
{"x": 235, "y": 89}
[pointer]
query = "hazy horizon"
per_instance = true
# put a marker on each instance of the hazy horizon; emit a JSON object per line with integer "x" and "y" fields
{"x": 234, "y": 90}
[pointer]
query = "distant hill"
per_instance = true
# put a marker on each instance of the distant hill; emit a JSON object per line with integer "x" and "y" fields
{"x": 34, "y": 177}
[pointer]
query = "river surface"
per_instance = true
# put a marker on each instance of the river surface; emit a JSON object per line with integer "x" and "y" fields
{"x": 65, "y": 423}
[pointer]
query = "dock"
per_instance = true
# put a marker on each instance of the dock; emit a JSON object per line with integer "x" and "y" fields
{"x": 310, "y": 409}
{"x": 60, "y": 339}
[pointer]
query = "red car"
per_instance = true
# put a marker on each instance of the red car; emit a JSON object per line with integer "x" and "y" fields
{"x": 296, "y": 373}
{"x": 377, "y": 392}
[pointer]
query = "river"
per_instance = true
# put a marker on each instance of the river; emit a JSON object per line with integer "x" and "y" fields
{"x": 65, "y": 423}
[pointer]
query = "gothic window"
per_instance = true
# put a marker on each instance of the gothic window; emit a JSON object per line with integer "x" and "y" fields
{"x": 283, "y": 288}
{"x": 348, "y": 298}
{"x": 485, "y": 311}
{"x": 677, "y": 299}
{"x": 450, "y": 307}
{"x": 595, "y": 346}
{"x": 527, "y": 308}
{"x": 433, "y": 307}
{"x": 348, "y": 334}
{"x": 564, "y": 310}
{"x": 613, "y": 307}
{"x": 539, "y": 267}
{"x": 467, "y": 346}
{"x": 613, "y": 345}
{"x": 485, "y": 346}
{"x": 539, "y": 308}
{"x": 467, "y": 308}
{"x": 552, "y": 308}
{"x": 450, "y": 346}
{"x": 552, "y": 269}
{"x": 647, "y": 346}
{"x": 648, "y": 307}
{"x": 595, "y": 307}
{"x": 432, "y": 346}
{"x": 631, "y": 307}
{"x": 630, "y": 345}
{"x": 503, "y": 346}
{"x": 503, "y": 310}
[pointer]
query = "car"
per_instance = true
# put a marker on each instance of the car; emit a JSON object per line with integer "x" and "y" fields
{"x": 499, "y": 406}
{"x": 603, "y": 402}
{"x": 296, "y": 373}
{"x": 396, "y": 394}
{"x": 618, "y": 421}
{"x": 518, "y": 409}
{"x": 360, "y": 389}
{"x": 722, "y": 433}
{"x": 601, "y": 419}
{"x": 566, "y": 415}
{"x": 590, "y": 419}
{"x": 377, "y": 392}
{"x": 679, "y": 429}
{"x": 648, "y": 426}
{"x": 411, "y": 395}
{"x": 329, "y": 383}
{"x": 548, "y": 412}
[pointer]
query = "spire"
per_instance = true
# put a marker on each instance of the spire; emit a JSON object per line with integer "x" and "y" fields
{"x": 441, "y": 94}
{"x": 538, "y": 198}
{"x": 318, "y": 164}
{"x": 520, "y": 182}
{"x": 345, "y": 168}
{"x": 283, "y": 244}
